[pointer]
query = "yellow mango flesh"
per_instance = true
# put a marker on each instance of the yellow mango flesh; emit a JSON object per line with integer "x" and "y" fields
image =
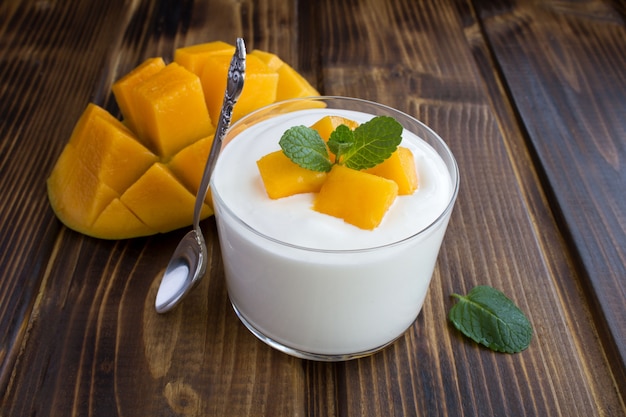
{"x": 327, "y": 124}
{"x": 281, "y": 177}
{"x": 259, "y": 88}
{"x": 290, "y": 83}
{"x": 400, "y": 168}
{"x": 357, "y": 197}
{"x": 123, "y": 88}
{"x": 117, "y": 180}
{"x": 76, "y": 194}
{"x": 109, "y": 150}
{"x": 188, "y": 165}
{"x": 160, "y": 200}
{"x": 117, "y": 221}
{"x": 171, "y": 110}
{"x": 194, "y": 57}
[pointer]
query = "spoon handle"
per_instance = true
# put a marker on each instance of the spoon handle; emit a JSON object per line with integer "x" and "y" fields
{"x": 234, "y": 85}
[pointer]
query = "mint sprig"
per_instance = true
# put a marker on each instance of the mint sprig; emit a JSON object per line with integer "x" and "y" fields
{"x": 364, "y": 147}
{"x": 488, "y": 317}
{"x": 305, "y": 147}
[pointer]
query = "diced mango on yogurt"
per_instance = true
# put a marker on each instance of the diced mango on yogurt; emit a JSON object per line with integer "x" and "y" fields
{"x": 400, "y": 168}
{"x": 327, "y": 124}
{"x": 282, "y": 177}
{"x": 360, "y": 198}
{"x": 357, "y": 197}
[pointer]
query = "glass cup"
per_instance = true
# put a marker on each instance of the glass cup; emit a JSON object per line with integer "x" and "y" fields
{"x": 313, "y": 302}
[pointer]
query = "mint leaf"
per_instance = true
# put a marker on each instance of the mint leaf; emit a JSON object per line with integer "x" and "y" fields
{"x": 341, "y": 140}
{"x": 305, "y": 147}
{"x": 488, "y": 317}
{"x": 364, "y": 147}
{"x": 374, "y": 141}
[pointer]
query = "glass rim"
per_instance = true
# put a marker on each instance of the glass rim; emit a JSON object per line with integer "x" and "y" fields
{"x": 454, "y": 172}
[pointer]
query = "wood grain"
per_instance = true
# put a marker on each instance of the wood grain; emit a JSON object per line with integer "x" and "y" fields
{"x": 563, "y": 63}
{"x": 527, "y": 95}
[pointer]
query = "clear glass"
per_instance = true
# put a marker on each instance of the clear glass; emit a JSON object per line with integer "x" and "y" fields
{"x": 328, "y": 304}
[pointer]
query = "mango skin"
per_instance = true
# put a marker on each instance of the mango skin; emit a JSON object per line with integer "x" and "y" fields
{"x": 120, "y": 180}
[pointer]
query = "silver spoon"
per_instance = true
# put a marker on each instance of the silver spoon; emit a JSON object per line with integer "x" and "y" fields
{"x": 188, "y": 263}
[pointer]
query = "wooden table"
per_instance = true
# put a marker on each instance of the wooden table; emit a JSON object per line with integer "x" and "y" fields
{"x": 530, "y": 96}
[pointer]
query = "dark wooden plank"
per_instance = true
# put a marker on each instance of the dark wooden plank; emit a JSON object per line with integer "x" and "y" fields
{"x": 45, "y": 82}
{"x": 417, "y": 60}
{"x": 564, "y": 64}
{"x": 558, "y": 256}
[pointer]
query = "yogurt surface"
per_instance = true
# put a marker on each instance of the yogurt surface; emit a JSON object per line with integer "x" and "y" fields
{"x": 292, "y": 220}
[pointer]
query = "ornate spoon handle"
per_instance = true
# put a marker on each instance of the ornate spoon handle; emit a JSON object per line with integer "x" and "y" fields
{"x": 234, "y": 85}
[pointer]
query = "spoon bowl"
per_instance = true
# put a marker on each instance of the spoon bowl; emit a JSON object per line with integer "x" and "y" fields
{"x": 188, "y": 263}
{"x": 187, "y": 266}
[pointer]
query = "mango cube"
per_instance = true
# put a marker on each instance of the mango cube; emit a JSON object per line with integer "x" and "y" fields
{"x": 171, "y": 110}
{"x": 194, "y": 57}
{"x": 400, "y": 168}
{"x": 117, "y": 222}
{"x": 259, "y": 89}
{"x": 109, "y": 150}
{"x": 78, "y": 196}
{"x": 123, "y": 88}
{"x": 282, "y": 177}
{"x": 327, "y": 124}
{"x": 357, "y": 197}
{"x": 160, "y": 201}
{"x": 290, "y": 83}
{"x": 188, "y": 165}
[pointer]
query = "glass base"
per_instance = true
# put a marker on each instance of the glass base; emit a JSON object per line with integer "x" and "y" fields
{"x": 303, "y": 354}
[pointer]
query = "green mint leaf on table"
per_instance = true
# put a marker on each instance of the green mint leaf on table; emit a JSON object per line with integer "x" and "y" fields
{"x": 488, "y": 317}
{"x": 365, "y": 147}
{"x": 374, "y": 141}
{"x": 305, "y": 147}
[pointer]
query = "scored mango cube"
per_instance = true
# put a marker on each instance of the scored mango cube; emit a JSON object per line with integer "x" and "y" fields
{"x": 259, "y": 88}
{"x": 79, "y": 196}
{"x": 357, "y": 197}
{"x": 109, "y": 149}
{"x": 282, "y": 177}
{"x": 400, "y": 168}
{"x": 194, "y": 57}
{"x": 160, "y": 201}
{"x": 123, "y": 88}
{"x": 171, "y": 110}
{"x": 188, "y": 166}
{"x": 116, "y": 221}
{"x": 290, "y": 83}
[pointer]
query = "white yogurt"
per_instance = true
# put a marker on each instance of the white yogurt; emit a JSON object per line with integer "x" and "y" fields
{"x": 311, "y": 284}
